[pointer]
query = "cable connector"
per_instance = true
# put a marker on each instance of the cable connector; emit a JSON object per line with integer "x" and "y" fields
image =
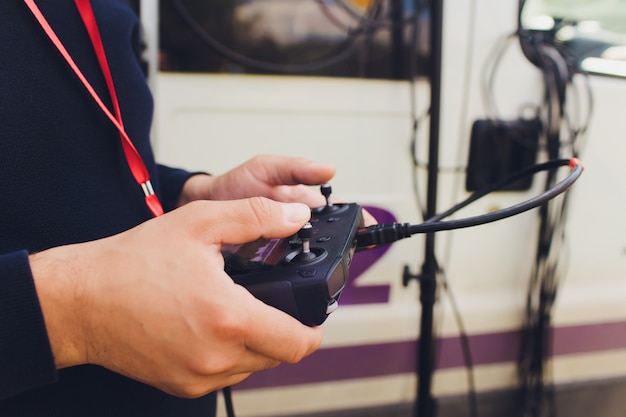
{"x": 381, "y": 234}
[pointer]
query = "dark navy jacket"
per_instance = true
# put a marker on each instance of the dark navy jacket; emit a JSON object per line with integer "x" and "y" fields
{"x": 64, "y": 179}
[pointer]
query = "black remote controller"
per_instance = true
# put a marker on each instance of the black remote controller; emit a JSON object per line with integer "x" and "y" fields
{"x": 305, "y": 274}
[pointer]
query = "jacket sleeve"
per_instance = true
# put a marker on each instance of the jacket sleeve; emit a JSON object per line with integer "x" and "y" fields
{"x": 26, "y": 359}
{"x": 171, "y": 181}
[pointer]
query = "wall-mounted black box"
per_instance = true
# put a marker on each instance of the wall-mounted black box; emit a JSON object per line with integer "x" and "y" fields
{"x": 499, "y": 148}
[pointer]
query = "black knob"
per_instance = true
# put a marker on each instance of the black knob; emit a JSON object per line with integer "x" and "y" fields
{"x": 306, "y": 233}
{"x": 326, "y": 190}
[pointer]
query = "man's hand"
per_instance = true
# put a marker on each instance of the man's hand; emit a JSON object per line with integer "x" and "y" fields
{"x": 155, "y": 304}
{"x": 280, "y": 178}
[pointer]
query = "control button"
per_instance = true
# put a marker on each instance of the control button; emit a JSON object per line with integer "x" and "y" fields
{"x": 333, "y": 219}
{"x": 332, "y": 306}
{"x": 307, "y": 273}
{"x": 323, "y": 239}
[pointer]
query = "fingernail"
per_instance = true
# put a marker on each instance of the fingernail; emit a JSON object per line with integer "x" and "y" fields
{"x": 296, "y": 212}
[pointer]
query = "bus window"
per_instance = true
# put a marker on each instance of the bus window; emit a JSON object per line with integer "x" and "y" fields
{"x": 591, "y": 33}
{"x": 384, "y": 39}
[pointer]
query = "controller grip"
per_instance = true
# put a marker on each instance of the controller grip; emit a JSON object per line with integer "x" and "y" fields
{"x": 277, "y": 294}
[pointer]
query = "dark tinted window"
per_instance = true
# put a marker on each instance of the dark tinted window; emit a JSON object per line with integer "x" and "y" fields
{"x": 344, "y": 38}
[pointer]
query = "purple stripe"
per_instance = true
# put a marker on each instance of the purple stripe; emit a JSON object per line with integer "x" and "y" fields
{"x": 589, "y": 338}
{"x": 366, "y": 361}
{"x": 485, "y": 349}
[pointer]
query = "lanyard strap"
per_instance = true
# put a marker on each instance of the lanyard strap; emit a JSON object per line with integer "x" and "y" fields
{"x": 135, "y": 163}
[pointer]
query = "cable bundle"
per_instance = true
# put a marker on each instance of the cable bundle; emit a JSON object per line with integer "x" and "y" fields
{"x": 562, "y": 138}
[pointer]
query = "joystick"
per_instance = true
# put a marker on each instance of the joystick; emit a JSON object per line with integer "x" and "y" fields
{"x": 304, "y": 274}
{"x": 306, "y": 254}
{"x": 305, "y": 234}
{"x": 326, "y": 191}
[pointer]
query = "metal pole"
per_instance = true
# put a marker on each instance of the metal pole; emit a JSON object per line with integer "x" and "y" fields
{"x": 425, "y": 403}
{"x": 397, "y": 40}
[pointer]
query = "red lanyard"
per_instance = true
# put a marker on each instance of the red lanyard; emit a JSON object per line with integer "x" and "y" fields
{"x": 136, "y": 164}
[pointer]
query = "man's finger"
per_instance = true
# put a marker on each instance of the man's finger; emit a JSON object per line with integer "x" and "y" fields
{"x": 284, "y": 170}
{"x": 290, "y": 340}
{"x": 241, "y": 221}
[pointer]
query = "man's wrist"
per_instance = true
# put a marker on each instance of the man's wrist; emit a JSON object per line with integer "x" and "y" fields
{"x": 60, "y": 294}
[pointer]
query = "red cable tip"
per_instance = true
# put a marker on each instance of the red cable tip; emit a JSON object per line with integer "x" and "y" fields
{"x": 574, "y": 162}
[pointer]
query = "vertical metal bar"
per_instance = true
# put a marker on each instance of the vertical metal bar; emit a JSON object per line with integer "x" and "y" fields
{"x": 397, "y": 39}
{"x": 425, "y": 403}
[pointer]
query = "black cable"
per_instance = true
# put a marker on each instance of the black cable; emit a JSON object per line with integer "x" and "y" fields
{"x": 228, "y": 401}
{"x": 488, "y": 75}
{"x": 386, "y": 233}
{"x": 537, "y": 399}
{"x": 526, "y": 172}
{"x": 579, "y": 132}
{"x": 465, "y": 348}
